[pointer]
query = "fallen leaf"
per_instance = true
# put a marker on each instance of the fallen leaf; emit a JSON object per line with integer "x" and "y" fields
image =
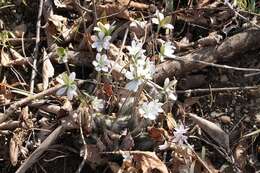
{"x": 156, "y": 133}
{"x": 111, "y": 9}
{"x": 108, "y": 89}
{"x": 133, "y": 4}
{"x": 47, "y": 70}
{"x": 214, "y": 131}
{"x": 149, "y": 161}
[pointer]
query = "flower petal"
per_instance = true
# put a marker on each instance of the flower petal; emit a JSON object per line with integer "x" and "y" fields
{"x": 155, "y": 21}
{"x": 133, "y": 85}
{"x": 61, "y": 91}
{"x": 72, "y": 76}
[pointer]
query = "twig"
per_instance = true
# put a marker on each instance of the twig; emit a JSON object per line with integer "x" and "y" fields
{"x": 95, "y": 12}
{"x": 82, "y": 8}
{"x": 241, "y": 16}
{"x": 202, "y": 90}
{"x": 121, "y": 49}
{"x": 7, "y": 6}
{"x": 26, "y": 100}
{"x": 84, "y": 144}
{"x": 36, "y": 50}
{"x": 40, "y": 150}
{"x": 217, "y": 65}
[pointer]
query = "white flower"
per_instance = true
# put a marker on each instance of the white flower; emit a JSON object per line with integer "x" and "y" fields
{"x": 169, "y": 89}
{"x": 226, "y": 1}
{"x": 127, "y": 156}
{"x": 135, "y": 49}
{"x": 101, "y": 41}
{"x": 97, "y": 104}
{"x": 164, "y": 146}
{"x": 179, "y": 135}
{"x": 151, "y": 109}
{"x": 107, "y": 29}
{"x": 162, "y": 21}
{"x": 101, "y": 63}
{"x": 69, "y": 88}
{"x": 140, "y": 71}
{"x": 167, "y": 50}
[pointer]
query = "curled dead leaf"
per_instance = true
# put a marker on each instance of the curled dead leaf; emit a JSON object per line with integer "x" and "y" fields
{"x": 111, "y": 9}
{"x": 214, "y": 131}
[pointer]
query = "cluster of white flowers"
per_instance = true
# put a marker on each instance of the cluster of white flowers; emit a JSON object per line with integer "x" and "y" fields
{"x": 136, "y": 50}
{"x": 69, "y": 86}
{"x": 151, "y": 110}
{"x": 140, "y": 69}
{"x": 101, "y": 63}
{"x": 97, "y": 104}
{"x": 102, "y": 42}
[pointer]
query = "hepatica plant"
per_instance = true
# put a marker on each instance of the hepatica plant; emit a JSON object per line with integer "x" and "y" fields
{"x": 140, "y": 69}
{"x": 69, "y": 86}
{"x": 161, "y": 21}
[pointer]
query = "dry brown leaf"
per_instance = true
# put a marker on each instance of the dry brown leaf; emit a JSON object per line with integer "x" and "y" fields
{"x": 13, "y": 151}
{"x": 214, "y": 131}
{"x": 111, "y": 9}
{"x": 47, "y": 70}
{"x": 156, "y": 133}
{"x": 133, "y": 4}
{"x": 149, "y": 161}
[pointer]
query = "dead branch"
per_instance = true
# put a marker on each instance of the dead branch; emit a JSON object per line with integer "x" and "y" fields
{"x": 231, "y": 47}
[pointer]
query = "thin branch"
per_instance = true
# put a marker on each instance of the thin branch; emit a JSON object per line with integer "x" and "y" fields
{"x": 27, "y": 100}
{"x": 7, "y": 6}
{"x": 217, "y": 65}
{"x": 36, "y": 50}
{"x": 203, "y": 90}
{"x": 241, "y": 16}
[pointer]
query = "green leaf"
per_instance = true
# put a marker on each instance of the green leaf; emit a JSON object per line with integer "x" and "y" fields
{"x": 166, "y": 20}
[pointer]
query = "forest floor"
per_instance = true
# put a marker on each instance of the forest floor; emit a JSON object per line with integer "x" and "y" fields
{"x": 116, "y": 86}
